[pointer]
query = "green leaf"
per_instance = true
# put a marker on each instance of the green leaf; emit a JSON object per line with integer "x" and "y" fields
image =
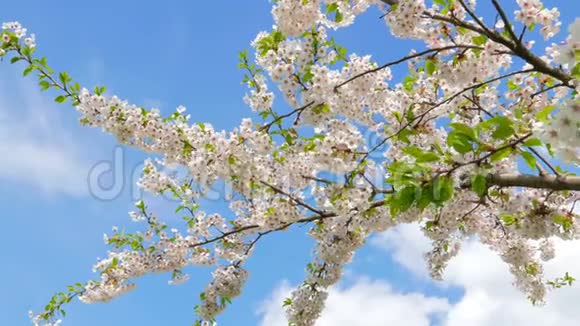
{"x": 508, "y": 219}
{"x": 576, "y": 70}
{"x": 430, "y": 66}
{"x": 426, "y": 197}
{"x": 479, "y": 40}
{"x": 28, "y": 70}
{"x": 550, "y": 150}
{"x": 60, "y": 99}
{"x": 543, "y": 115}
{"x": 533, "y": 142}
{"x": 503, "y": 132}
{"x": 44, "y": 85}
{"x": 479, "y": 184}
{"x": 465, "y": 129}
{"x": 460, "y": 142}
{"x": 511, "y": 85}
{"x": 404, "y": 135}
{"x": 420, "y": 155}
{"x": 270, "y": 211}
{"x": 409, "y": 82}
{"x": 428, "y": 157}
{"x": 565, "y": 222}
{"x": 231, "y": 159}
{"x": 330, "y": 8}
{"x": 311, "y": 146}
{"x": 308, "y": 75}
{"x": 403, "y": 199}
{"x": 442, "y": 189}
{"x": 141, "y": 205}
{"x": 499, "y": 155}
{"x": 100, "y": 90}
{"x": 503, "y": 127}
{"x": 530, "y": 159}
{"x": 64, "y": 78}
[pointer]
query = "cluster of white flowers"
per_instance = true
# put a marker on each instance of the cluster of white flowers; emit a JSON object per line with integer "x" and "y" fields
{"x": 547, "y": 250}
{"x": 154, "y": 181}
{"x": 295, "y": 17}
{"x": 405, "y": 20}
{"x": 260, "y": 99}
{"x": 227, "y": 283}
{"x": 563, "y": 132}
{"x": 103, "y": 292}
{"x": 37, "y": 320}
{"x": 19, "y": 32}
{"x": 533, "y": 12}
{"x": 16, "y": 28}
{"x": 569, "y": 53}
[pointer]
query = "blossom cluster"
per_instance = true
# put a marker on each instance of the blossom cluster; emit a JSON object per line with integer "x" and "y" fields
{"x": 19, "y": 32}
{"x": 296, "y": 17}
{"x": 569, "y": 53}
{"x": 564, "y": 131}
{"x": 533, "y": 12}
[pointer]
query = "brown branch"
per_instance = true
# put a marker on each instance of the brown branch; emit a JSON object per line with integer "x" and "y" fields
{"x": 546, "y": 90}
{"x": 299, "y": 110}
{"x": 543, "y": 159}
{"x": 318, "y": 179}
{"x": 472, "y": 14}
{"x": 552, "y": 182}
{"x": 506, "y": 22}
{"x": 516, "y": 47}
{"x": 318, "y": 217}
{"x": 391, "y": 2}
{"x": 409, "y": 57}
{"x": 294, "y": 199}
{"x": 523, "y": 33}
{"x": 501, "y": 148}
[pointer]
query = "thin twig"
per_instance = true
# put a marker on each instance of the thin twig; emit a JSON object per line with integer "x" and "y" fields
{"x": 409, "y": 57}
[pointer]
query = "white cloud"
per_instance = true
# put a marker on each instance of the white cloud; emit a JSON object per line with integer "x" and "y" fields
{"x": 35, "y": 149}
{"x": 407, "y": 244}
{"x": 489, "y": 297}
{"x": 365, "y": 303}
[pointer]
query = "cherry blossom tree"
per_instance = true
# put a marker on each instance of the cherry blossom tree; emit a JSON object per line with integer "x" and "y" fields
{"x": 467, "y": 144}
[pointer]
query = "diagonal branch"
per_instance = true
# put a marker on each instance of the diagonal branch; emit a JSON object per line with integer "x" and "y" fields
{"x": 409, "y": 57}
{"x": 294, "y": 199}
{"x": 506, "y": 22}
{"x": 517, "y": 48}
{"x": 474, "y": 16}
{"x": 267, "y": 126}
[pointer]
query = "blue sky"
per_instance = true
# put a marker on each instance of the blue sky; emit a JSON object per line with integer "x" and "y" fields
{"x": 164, "y": 55}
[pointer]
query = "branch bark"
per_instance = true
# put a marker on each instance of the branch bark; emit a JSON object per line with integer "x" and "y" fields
{"x": 552, "y": 182}
{"x": 515, "y": 44}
